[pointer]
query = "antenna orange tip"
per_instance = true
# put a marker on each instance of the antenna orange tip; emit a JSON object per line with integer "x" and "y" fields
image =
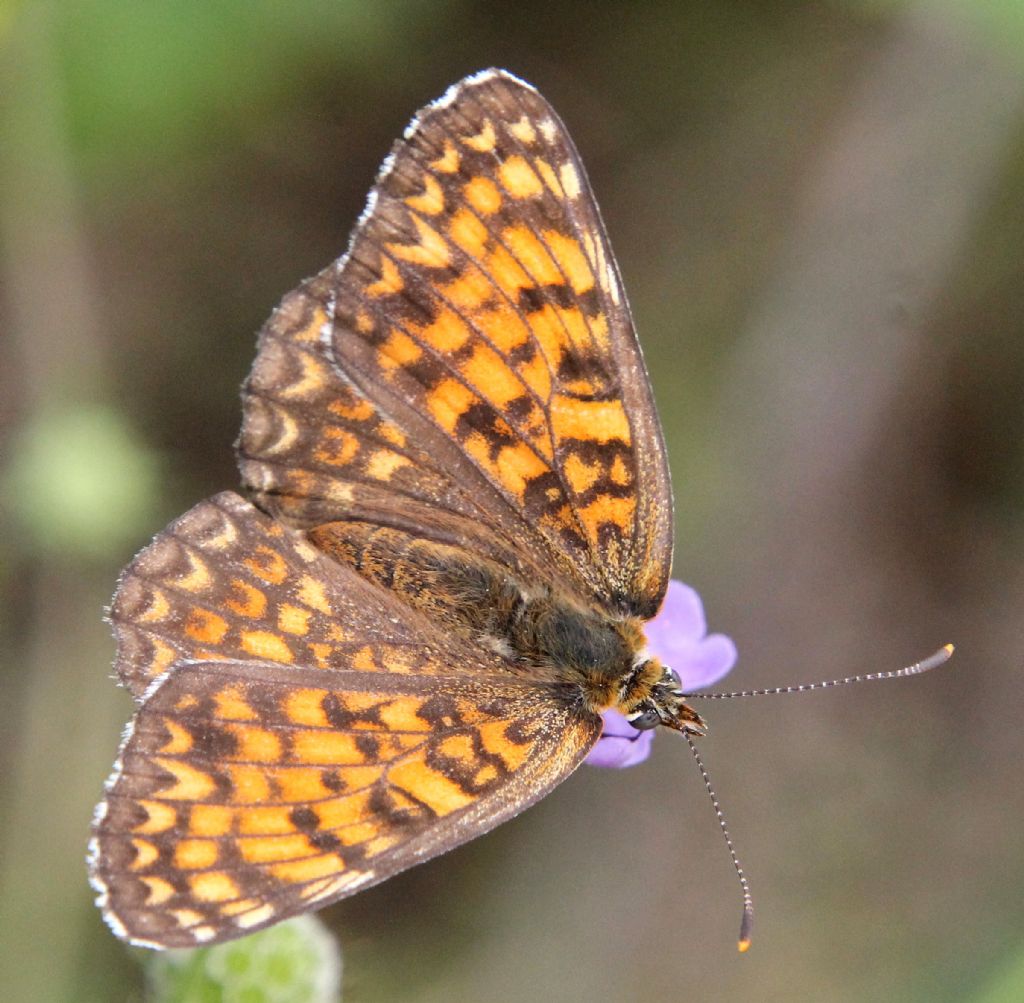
{"x": 948, "y": 649}
{"x": 743, "y": 945}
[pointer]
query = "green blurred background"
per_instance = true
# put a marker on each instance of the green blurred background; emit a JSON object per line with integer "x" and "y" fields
{"x": 817, "y": 212}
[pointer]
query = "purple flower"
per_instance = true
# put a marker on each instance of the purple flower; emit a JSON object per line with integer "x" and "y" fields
{"x": 678, "y": 636}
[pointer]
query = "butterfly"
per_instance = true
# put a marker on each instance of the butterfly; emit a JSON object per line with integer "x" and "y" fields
{"x": 457, "y": 518}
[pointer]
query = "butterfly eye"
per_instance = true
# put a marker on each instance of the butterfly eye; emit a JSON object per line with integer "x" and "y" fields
{"x": 644, "y": 720}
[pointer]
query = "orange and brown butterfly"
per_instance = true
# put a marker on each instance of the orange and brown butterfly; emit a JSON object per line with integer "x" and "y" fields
{"x": 458, "y": 519}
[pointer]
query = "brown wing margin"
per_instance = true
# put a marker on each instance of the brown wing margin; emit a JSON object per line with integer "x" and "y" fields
{"x": 251, "y": 792}
{"x": 473, "y": 353}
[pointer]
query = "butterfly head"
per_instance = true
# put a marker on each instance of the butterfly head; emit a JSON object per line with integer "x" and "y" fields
{"x": 654, "y": 696}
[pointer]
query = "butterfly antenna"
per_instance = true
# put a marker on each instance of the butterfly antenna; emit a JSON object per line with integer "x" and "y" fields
{"x": 747, "y": 923}
{"x": 933, "y": 661}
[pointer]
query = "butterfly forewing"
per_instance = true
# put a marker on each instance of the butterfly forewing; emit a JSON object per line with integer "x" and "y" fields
{"x": 248, "y": 791}
{"x": 479, "y": 311}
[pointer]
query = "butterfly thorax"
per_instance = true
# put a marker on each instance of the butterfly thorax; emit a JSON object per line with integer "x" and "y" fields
{"x": 537, "y": 629}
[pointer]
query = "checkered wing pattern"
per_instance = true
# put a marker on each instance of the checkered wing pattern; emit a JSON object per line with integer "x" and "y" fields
{"x": 471, "y": 363}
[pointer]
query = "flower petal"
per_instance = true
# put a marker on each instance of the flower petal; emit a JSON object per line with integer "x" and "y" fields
{"x": 709, "y": 661}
